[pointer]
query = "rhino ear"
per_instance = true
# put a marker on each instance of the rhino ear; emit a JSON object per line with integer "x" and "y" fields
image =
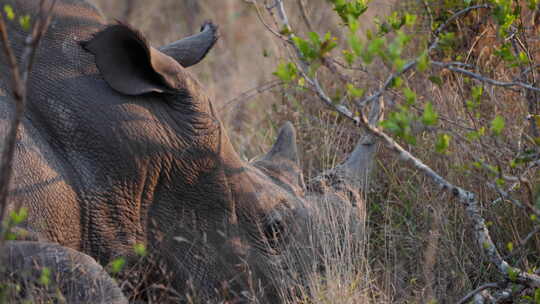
{"x": 129, "y": 65}
{"x": 191, "y": 50}
{"x": 285, "y": 146}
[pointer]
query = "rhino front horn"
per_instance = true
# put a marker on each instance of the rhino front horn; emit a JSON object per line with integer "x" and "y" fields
{"x": 192, "y": 49}
{"x": 285, "y": 146}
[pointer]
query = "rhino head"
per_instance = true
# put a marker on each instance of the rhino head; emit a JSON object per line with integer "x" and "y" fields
{"x": 210, "y": 213}
{"x": 124, "y": 147}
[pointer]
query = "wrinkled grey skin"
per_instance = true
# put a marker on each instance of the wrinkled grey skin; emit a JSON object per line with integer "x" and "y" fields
{"x": 103, "y": 168}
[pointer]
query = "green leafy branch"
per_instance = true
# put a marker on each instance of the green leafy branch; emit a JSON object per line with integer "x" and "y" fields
{"x": 399, "y": 122}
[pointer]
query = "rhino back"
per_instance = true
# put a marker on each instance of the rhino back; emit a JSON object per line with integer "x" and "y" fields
{"x": 41, "y": 177}
{"x": 79, "y": 166}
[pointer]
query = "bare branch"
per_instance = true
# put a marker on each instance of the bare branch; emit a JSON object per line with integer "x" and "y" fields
{"x": 454, "y": 17}
{"x": 227, "y": 106}
{"x": 529, "y": 235}
{"x": 452, "y": 67}
{"x": 303, "y": 11}
{"x": 471, "y": 205}
{"x": 19, "y": 80}
{"x": 473, "y": 293}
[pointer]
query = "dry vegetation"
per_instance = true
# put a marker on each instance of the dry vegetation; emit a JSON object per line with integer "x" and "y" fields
{"x": 416, "y": 246}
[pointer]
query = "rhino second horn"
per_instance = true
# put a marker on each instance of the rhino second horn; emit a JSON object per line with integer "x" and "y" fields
{"x": 190, "y": 50}
{"x": 360, "y": 162}
{"x": 285, "y": 145}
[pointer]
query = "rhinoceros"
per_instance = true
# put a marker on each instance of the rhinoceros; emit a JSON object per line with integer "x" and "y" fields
{"x": 120, "y": 146}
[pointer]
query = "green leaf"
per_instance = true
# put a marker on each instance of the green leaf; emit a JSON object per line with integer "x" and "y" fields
{"x": 349, "y": 9}
{"x": 436, "y": 80}
{"x": 399, "y": 124}
{"x": 117, "y": 265}
{"x": 396, "y": 21}
{"x": 376, "y": 46}
{"x": 442, "y": 143}
{"x": 505, "y": 53}
{"x": 327, "y": 45}
{"x": 477, "y": 92}
{"x": 497, "y": 125}
{"x": 355, "y": 44}
{"x": 397, "y": 82}
{"x": 410, "y": 20}
{"x": 287, "y": 72}
{"x": 353, "y": 24}
{"x": 523, "y": 58}
{"x": 510, "y": 246}
{"x": 304, "y": 47}
{"x": 45, "y": 277}
{"x": 10, "y": 236}
{"x": 447, "y": 40}
{"x": 537, "y": 120}
{"x": 473, "y": 135}
{"x": 18, "y": 217}
{"x": 10, "y": 14}
{"x": 537, "y": 296}
{"x": 286, "y": 31}
{"x": 25, "y": 22}
{"x": 349, "y": 57}
{"x": 140, "y": 250}
{"x": 355, "y": 92}
{"x": 423, "y": 62}
{"x": 410, "y": 96}
{"x": 399, "y": 64}
{"x": 395, "y": 48}
{"x": 429, "y": 117}
{"x": 513, "y": 273}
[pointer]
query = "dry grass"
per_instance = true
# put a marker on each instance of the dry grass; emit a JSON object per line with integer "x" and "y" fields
{"x": 416, "y": 245}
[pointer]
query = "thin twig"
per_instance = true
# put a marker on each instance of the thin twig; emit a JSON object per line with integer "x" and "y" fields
{"x": 19, "y": 76}
{"x": 519, "y": 179}
{"x": 303, "y": 11}
{"x": 471, "y": 294}
{"x": 249, "y": 94}
{"x": 452, "y": 67}
{"x": 529, "y": 236}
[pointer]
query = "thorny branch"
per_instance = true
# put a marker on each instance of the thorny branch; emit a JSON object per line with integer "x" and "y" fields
{"x": 19, "y": 78}
{"x": 468, "y": 199}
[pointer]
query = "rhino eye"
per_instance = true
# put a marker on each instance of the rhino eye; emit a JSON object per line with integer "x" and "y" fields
{"x": 274, "y": 232}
